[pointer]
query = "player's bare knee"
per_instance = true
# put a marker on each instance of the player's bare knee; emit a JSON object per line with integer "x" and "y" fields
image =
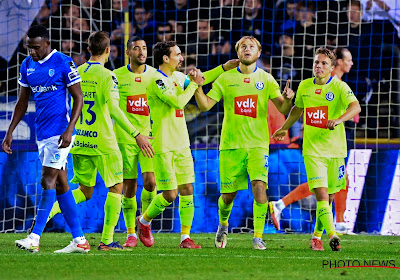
{"x": 149, "y": 185}
{"x": 170, "y": 195}
{"x": 228, "y": 198}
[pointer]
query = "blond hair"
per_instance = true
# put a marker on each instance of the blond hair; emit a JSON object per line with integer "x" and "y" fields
{"x": 251, "y": 38}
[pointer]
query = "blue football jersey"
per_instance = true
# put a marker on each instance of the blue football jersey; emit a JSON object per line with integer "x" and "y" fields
{"x": 49, "y": 80}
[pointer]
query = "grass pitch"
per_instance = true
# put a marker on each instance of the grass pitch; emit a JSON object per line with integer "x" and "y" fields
{"x": 287, "y": 257}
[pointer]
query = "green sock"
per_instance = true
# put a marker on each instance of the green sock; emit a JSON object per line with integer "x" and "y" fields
{"x": 186, "y": 212}
{"x": 319, "y": 228}
{"x": 112, "y": 209}
{"x": 259, "y": 213}
{"x": 129, "y": 208}
{"x": 146, "y": 198}
{"x": 156, "y": 207}
{"x": 79, "y": 197}
{"x": 324, "y": 213}
{"x": 224, "y": 211}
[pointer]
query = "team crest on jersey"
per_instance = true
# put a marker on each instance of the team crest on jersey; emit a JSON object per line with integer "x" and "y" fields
{"x": 330, "y": 96}
{"x": 246, "y": 80}
{"x": 318, "y": 91}
{"x": 55, "y": 158}
{"x": 266, "y": 163}
{"x": 259, "y": 85}
{"x": 51, "y": 72}
{"x": 350, "y": 93}
{"x": 71, "y": 75}
{"x": 72, "y": 65}
{"x": 341, "y": 172}
{"x": 115, "y": 80}
{"x": 138, "y": 79}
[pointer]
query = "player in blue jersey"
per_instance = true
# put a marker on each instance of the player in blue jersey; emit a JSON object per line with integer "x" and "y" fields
{"x": 51, "y": 77}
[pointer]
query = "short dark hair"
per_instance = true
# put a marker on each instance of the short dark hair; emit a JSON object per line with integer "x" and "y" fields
{"x": 340, "y": 52}
{"x": 328, "y": 53}
{"x": 132, "y": 39}
{"x": 38, "y": 31}
{"x": 98, "y": 42}
{"x": 162, "y": 48}
{"x": 167, "y": 24}
{"x": 355, "y": 3}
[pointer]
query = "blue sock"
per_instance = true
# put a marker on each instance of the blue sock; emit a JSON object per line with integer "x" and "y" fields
{"x": 70, "y": 213}
{"x": 46, "y": 203}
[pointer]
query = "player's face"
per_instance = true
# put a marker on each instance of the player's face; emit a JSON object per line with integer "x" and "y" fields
{"x": 38, "y": 48}
{"x": 347, "y": 62}
{"x": 138, "y": 52}
{"x": 322, "y": 66}
{"x": 175, "y": 58}
{"x": 248, "y": 52}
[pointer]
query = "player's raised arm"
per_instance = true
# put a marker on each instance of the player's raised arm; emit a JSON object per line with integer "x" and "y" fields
{"x": 294, "y": 115}
{"x": 19, "y": 112}
{"x": 211, "y": 75}
{"x": 284, "y": 103}
{"x": 76, "y": 93}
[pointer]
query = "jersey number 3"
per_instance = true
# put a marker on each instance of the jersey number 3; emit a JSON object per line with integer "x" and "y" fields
{"x": 90, "y": 112}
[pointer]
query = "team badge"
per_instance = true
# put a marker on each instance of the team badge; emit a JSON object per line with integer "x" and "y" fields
{"x": 330, "y": 96}
{"x": 318, "y": 91}
{"x": 259, "y": 85}
{"x": 72, "y": 65}
{"x": 51, "y": 72}
{"x": 160, "y": 84}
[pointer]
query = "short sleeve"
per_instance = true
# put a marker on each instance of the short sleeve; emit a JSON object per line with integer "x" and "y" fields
{"x": 70, "y": 73}
{"x": 217, "y": 89}
{"x": 22, "y": 80}
{"x": 273, "y": 87}
{"x": 299, "y": 99}
{"x": 110, "y": 87}
{"x": 346, "y": 94}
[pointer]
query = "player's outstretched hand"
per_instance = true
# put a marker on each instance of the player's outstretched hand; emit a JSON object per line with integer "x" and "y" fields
{"x": 7, "y": 144}
{"x": 288, "y": 93}
{"x": 144, "y": 144}
{"x": 230, "y": 64}
{"x": 332, "y": 123}
{"x": 280, "y": 134}
{"x": 65, "y": 140}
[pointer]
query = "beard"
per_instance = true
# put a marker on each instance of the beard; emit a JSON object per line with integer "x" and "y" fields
{"x": 248, "y": 61}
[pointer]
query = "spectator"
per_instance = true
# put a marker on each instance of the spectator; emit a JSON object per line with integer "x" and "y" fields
{"x": 144, "y": 27}
{"x": 70, "y": 12}
{"x": 287, "y": 22}
{"x": 80, "y": 30}
{"x": 78, "y": 56}
{"x": 43, "y": 16}
{"x": 164, "y": 33}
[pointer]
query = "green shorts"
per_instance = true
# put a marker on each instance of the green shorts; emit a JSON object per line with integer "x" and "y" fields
{"x": 109, "y": 167}
{"x": 173, "y": 169}
{"x": 131, "y": 155}
{"x": 236, "y": 164}
{"x": 325, "y": 173}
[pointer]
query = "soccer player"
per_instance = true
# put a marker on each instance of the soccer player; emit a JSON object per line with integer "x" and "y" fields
{"x": 244, "y": 146}
{"x": 342, "y": 66}
{"x": 52, "y": 78}
{"x": 95, "y": 147}
{"x": 327, "y": 102}
{"x": 132, "y": 82}
{"x": 168, "y": 92}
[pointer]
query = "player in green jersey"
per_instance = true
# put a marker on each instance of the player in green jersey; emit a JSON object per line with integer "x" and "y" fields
{"x": 244, "y": 146}
{"x": 95, "y": 147}
{"x": 132, "y": 82}
{"x": 168, "y": 93}
{"x": 327, "y": 102}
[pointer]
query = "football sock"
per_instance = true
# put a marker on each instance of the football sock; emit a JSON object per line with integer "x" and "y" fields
{"x": 300, "y": 192}
{"x": 112, "y": 209}
{"x": 78, "y": 196}
{"x": 324, "y": 211}
{"x": 70, "y": 213}
{"x": 280, "y": 204}
{"x": 184, "y": 236}
{"x": 186, "y": 213}
{"x": 156, "y": 207}
{"x": 129, "y": 208}
{"x": 146, "y": 198}
{"x": 45, "y": 204}
{"x": 259, "y": 213}
{"x": 340, "y": 204}
{"x": 224, "y": 211}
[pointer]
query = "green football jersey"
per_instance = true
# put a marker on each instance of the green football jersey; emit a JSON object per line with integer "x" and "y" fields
{"x": 133, "y": 101}
{"x": 322, "y": 103}
{"x": 246, "y": 99}
{"x": 95, "y": 134}
{"x": 167, "y": 98}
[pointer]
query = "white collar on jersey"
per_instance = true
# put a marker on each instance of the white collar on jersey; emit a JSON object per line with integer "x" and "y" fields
{"x": 47, "y": 57}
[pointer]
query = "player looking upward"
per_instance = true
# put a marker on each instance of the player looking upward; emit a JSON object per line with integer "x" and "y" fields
{"x": 52, "y": 78}
{"x": 327, "y": 102}
{"x": 95, "y": 147}
{"x": 169, "y": 91}
{"x": 132, "y": 82}
{"x": 244, "y": 147}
